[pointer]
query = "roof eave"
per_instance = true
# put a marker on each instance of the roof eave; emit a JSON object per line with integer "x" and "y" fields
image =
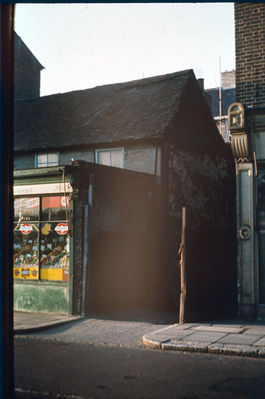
{"x": 109, "y": 144}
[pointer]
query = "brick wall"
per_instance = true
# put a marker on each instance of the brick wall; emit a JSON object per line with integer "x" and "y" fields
{"x": 250, "y": 53}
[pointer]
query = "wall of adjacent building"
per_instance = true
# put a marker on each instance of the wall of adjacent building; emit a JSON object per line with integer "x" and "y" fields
{"x": 26, "y": 71}
{"x": 203, "y": 183}
{"x": 250, "y": 92}
{"x": 121, "y": 248}
{"x": 250, "y": 53}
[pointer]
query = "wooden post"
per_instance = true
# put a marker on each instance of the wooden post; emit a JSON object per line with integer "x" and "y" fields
{"x": 183, "y": 288}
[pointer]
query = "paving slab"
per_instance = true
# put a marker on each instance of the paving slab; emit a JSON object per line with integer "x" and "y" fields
{"x": 185, "y": 326}
{"x": 232, "y": 324}
{"x": 204, "y": 336}
{"x": 165, "y": 336}
{"x": 224, "y": 329}
{"x": 240, "y": 339}
{"x": 260, "y": 342}
{"x": 255, "y": 330}
{"x": 254, "y": 335}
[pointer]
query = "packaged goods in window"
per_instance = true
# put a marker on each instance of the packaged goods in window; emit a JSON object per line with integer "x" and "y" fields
{"x": 54, "y": 257}
{"x": 41, "y": 238}
{"x": 26, "y": 255}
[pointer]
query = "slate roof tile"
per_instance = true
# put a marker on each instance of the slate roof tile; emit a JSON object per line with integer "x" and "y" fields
{"x": 228, "y": 97}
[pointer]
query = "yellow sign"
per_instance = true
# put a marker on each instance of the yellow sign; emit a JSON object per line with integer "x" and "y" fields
{"x": 54, "y": 274}
{"x": 26, "y": 272}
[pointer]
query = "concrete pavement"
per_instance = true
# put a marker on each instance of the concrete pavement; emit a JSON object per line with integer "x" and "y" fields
{"x": 27, "y": 322}
{"x": 235, "y": 338}
{"x": 231, "y": 338}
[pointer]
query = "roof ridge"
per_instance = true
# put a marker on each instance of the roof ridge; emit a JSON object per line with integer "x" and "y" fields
{"x": 123, "y": 85}
{"x": 155, "y": 79}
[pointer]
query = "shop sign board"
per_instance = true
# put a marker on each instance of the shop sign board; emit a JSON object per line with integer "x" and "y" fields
{"x": 26, "y": 203}
{"x": 43, "y": 189}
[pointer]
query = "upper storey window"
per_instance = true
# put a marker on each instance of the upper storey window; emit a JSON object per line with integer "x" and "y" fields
{"x": 47, "y": 159}
{"x": 110, "y": 157}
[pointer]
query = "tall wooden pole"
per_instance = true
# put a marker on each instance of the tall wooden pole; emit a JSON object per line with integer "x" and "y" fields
{"x": 183, "y": 287}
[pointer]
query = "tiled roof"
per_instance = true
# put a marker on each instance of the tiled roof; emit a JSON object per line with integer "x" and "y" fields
{"x": 138, "y": 110}
{"x": 228, "y": 96}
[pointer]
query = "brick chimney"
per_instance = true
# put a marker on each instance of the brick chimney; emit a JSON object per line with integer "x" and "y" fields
{"x": 250, "y": 53}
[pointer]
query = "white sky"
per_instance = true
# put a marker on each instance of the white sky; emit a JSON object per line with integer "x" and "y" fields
{"x": 87, "y": 45}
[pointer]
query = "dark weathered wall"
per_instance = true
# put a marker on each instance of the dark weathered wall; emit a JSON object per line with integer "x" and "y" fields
{"x": 26, "y": 72}
{"x": 202, "y": 183}
{"x": 77, "y": 231}
{"x": 121, "y": 240}
{"x": 205, "y": 185}
{"x": 250, "y": 53}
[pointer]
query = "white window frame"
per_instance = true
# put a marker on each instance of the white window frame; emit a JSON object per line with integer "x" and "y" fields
{"x": 47, "y": 165}
{"x": 97, "y": 151}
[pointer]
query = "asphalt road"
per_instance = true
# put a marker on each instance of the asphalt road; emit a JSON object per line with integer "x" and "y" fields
{"x": 97, "y": 359}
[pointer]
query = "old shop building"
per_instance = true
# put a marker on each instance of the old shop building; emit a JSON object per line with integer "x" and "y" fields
{"x": 160, "y": 127}
{"x": 83, "y": 238}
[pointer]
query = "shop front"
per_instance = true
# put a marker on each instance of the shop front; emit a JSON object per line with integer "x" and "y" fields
{"x": 247, "y": 127}
{"x": 42, "y": 242}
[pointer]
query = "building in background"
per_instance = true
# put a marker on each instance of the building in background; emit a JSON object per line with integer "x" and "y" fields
{"x": 27, "y": 71}
{"x": 247, "y": 128}
{"x": 220, "y": 98}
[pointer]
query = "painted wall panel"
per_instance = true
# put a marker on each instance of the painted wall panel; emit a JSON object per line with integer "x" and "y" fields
{"x": 245, "y": 222}
{"x": 41, "y": 298}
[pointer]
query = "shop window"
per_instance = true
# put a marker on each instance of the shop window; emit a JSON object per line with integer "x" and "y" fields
{"x": 110, "y": 157}
{"x": 41, "y": 238}
{"x": 47, "y": 159}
